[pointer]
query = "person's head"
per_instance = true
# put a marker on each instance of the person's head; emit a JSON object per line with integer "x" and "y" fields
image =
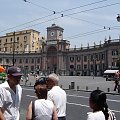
{"x": 41, "y": 88}
{"x": 14, "y": 75}
{"x": 97, "y": 102}
{"x": 52, "y": 80}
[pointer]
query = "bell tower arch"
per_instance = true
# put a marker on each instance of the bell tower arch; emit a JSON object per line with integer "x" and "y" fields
{"x": 52, "y": 58}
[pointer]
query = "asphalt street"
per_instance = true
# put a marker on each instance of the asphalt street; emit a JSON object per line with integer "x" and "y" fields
{"x": 77, "y": 103}
{"x": 80, "y": 83}
{"x": 77, "y": 98}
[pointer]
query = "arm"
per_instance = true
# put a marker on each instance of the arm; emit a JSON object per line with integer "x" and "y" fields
{"x": 54, "y": 116}
{"x": 29, "y": 112}
{"x": 1, "y": 115}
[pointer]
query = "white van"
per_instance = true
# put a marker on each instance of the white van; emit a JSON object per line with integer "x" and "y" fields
{"x": 110, "y": 74}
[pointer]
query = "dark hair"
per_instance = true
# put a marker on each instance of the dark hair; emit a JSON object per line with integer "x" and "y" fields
{"x": 40, "y": 81}
{"x": 41, "y": 92}
{"x": 99, "y": 97}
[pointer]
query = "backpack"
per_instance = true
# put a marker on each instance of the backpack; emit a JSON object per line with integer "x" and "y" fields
{"x": 111, "y": 115}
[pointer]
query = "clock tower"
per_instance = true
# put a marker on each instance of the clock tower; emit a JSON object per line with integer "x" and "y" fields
{"x": 54, "y": 50}
{"x": 54, "y": 33}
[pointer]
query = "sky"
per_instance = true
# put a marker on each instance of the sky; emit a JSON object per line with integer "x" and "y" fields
{"x": 84, "y": 21}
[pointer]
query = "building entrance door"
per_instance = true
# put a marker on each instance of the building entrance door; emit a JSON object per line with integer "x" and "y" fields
{"x": 52, "y": 59}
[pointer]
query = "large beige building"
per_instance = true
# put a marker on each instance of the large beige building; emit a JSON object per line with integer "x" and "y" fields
{"x": 55, "y": 55}
{"x": 20, "y": 41}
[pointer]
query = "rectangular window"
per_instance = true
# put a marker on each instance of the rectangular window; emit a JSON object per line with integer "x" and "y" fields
{"x": 71, "y": 59}
{"x": 26, "y": 60}
{"x": 11, "y": 39}
{"x": 85, "y": 58}
{"x": 91, "y": 58}
{"x": 32, "y": 68}
{"x": 32, "y": 61}
{"x": 7, "y": 60}
{"x": 103, "y": 56}
{"x": 91, "y": 67}
{"x": 38, "y": 60}
{"x": 17, "y": 38}
{"x": 78, "y": 58}
{"x": 20, "y": 61}
{"x": 85, "y": 66}
{"x": 78, "y": 67}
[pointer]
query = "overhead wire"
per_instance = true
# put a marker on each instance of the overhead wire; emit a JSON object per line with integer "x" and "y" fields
{"x": 91, "y": 32}
{"x": 40, "y": 23}
{"x": 81, "y": 6}
{"x": 91, "y": 9}
{"x": 47, "y": 15}
{"x": 85, "y": 21}
{"x": 76, "y": 13}
{"x": 26, "y": 23}
{"x": 38, "y": 5}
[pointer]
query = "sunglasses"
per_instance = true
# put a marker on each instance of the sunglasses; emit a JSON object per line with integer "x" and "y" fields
{"x": 16, "y": 77}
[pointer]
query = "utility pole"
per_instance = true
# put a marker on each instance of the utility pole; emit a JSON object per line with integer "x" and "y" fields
{"x": 13, "y": 48}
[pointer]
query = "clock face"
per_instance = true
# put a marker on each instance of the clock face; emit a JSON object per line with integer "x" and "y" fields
{"x": 52, "y": 33}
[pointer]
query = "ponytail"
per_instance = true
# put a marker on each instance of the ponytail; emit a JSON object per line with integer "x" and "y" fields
{"x": 99, "y": 97}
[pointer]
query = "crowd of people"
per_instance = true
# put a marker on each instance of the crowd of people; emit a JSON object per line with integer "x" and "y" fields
{"x": 51, "y": 100}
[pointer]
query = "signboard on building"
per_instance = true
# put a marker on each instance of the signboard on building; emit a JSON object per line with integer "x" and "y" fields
{"x": 51, "y": 42}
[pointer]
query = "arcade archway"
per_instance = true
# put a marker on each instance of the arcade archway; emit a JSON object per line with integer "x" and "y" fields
{"x": 52, "y": 59}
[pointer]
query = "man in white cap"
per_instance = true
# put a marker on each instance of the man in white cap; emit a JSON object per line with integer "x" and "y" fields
{"x": 57, "y": 95}
{"x": 10, "y": 94}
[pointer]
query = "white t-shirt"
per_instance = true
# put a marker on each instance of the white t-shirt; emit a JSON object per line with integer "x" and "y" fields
{"x": 10, "y": 101}
{"x": 59, "y": 99}
{"x": 96, "y": 115}
{"x": 43, "y": 109}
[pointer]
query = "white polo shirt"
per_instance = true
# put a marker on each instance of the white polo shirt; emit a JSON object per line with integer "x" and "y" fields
{"x": 59, "y": 99}
{"x": 10, "y": 101}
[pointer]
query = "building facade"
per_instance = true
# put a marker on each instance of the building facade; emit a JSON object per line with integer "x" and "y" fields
{"x": 21, "y": 41}
{"x": 55, "y": 55}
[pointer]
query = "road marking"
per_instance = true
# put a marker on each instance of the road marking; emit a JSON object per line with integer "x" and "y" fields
{"x": 28, "y": 89}
{"x": 111, "y": 100}
{"x": 31, "y": 96}
{"x": 88, "y": 106}
{"x": 75, "y": 104}
{"x": 77, "y": 96}
{"x": 88, "y": 98}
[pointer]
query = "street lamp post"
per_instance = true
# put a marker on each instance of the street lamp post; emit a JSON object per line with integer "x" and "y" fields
{"x": 14, "y": 49}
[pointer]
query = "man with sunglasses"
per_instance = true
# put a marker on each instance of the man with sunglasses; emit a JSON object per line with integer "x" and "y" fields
{"x": 10, "y": 94}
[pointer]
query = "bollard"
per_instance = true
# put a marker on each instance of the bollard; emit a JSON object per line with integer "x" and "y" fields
{"x": 77, "y": 87}
{"x": 86, "y": 87}
{"x": 61, "y": 86}
{"x": 72, "y": 85}
{"x": 108, "y": 89}
{"x": 97, "y": 88}
{"x": 69, "y": 87}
